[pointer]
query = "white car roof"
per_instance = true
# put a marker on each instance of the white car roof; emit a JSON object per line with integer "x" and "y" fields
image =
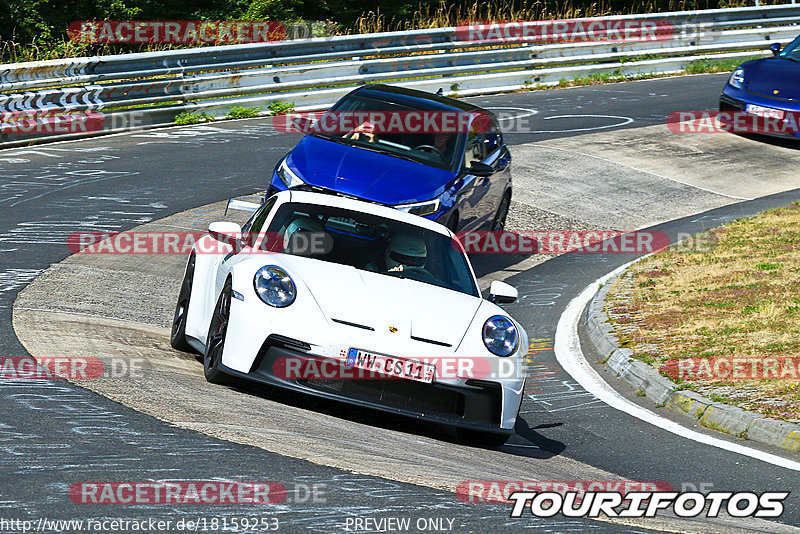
{"x": 326, "y": 199}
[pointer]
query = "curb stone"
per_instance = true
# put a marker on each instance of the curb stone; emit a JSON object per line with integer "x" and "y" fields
{"x": 645, "y": 379}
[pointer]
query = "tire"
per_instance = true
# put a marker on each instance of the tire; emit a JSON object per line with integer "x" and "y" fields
{"x": 215, "y": 341}
{"x": 177, "y": 338}
{"x": 481, "y": 438}
{"x": 499, "y": 221}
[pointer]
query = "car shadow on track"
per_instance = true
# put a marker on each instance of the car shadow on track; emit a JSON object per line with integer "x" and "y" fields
{"x": 485, "y": 264}
{"x": 783, "y": 142}
{"x": 536, "y": 444}
{"x": 526, "y": 441}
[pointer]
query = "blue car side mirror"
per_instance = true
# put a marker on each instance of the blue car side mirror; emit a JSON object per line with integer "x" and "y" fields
{"x": 776, "y": 48}
{"x": 478, "y": 168}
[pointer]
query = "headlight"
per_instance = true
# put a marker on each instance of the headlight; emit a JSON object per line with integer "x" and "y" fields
{"x": 287, "y": 176}
{"x": 500, "y": 335}
{"x": 420, "y": 208}
{"x": 274, "y": 286}
{"x": 737, "y": 78}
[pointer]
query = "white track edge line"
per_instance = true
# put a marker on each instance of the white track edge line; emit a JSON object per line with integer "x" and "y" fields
{"x": 570, "y": 357}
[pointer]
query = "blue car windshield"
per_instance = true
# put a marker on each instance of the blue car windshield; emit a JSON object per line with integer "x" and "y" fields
{"x": 370, "y": 243}
{"x": 791, "y": 51}
{"x": 395, "y": 130}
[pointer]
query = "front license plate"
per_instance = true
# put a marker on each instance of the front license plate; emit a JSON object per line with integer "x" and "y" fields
{"x": 391, "y": 366}
{"x": 761, "y": 111}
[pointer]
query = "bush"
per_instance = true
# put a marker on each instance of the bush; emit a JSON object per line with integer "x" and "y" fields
{"x": 241, "y": 112}
{"x": 192, "y": 117}
{"x": 280, "y": 108}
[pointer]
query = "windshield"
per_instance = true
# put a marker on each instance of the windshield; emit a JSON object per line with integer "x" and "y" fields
{"x": 792, "y": 50}
{"x": 391, "y": 129}
{"x": 370, "y": 243}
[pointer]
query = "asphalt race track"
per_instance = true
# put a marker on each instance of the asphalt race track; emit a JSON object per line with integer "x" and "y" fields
{"x": 592, "y": 157}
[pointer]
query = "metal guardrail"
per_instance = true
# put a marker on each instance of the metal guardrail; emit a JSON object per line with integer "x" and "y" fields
{"x": 313, "y": 73}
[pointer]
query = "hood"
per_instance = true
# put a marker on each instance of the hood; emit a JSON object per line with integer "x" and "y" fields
{"x": 377, "y": 301}
{"x": 764, "y": 76}
{"x": 366, "y": 174}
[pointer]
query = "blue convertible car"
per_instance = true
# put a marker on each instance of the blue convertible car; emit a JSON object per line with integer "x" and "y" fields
{"x": 768, "y": 87}
{"x": 461, "y": 179}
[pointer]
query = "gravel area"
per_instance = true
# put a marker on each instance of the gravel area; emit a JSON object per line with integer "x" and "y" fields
{"x": 526, "y": 218}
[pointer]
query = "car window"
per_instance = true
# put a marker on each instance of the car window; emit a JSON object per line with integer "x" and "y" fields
{"x": 355, "y": 121}
{"x": 493, "y": 138}
{"x": 252, "y": 227}
{"x": 792, "y": 50}
{"x": 474, "y": 150}
{"x": 370, "y": 243}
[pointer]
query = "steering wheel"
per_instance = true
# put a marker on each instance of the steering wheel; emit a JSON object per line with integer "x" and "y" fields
{"x": 421, "y": 274}
{"x": 430, "y": 147}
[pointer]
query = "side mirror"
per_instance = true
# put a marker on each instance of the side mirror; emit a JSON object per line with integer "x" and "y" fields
{"x": 479, "y": 169}
{"x": 502, "y": 293}
{"x": 776, "y": 48}
{"x": 226, "y": 232}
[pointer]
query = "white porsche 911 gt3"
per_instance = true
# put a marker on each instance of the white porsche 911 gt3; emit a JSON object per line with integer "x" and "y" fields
{"x": 353, "y": 301}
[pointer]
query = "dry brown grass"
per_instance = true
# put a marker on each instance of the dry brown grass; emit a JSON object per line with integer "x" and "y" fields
{"x": 442, "y": 15}
{"x": 729, "y": 292}
{"x": 451, "y": 14}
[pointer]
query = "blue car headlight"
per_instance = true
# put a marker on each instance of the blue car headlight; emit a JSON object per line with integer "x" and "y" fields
{"x": 737, "y": 78}
{"x": 500, "y": 335}
{"x": 274, "y": 286}
{"x": 287, "y": 176}
{"x": 420, "y": 208}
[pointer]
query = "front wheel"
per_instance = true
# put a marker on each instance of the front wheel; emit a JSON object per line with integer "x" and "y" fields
{"x": 177, "y": 338}
{"x": 215, "y": 341}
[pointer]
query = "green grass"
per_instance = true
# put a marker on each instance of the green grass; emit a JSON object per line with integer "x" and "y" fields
{"x": 280, "y": 108}
{"x": 241, "y": 112}
{"x": 720, "y": 65}
{"x": 185, "y": 118}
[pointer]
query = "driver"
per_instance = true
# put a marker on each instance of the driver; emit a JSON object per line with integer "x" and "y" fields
{"x": 405, "y": 251}
{"x": 441, "y": 141}
{"x": 363, "y": 132}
